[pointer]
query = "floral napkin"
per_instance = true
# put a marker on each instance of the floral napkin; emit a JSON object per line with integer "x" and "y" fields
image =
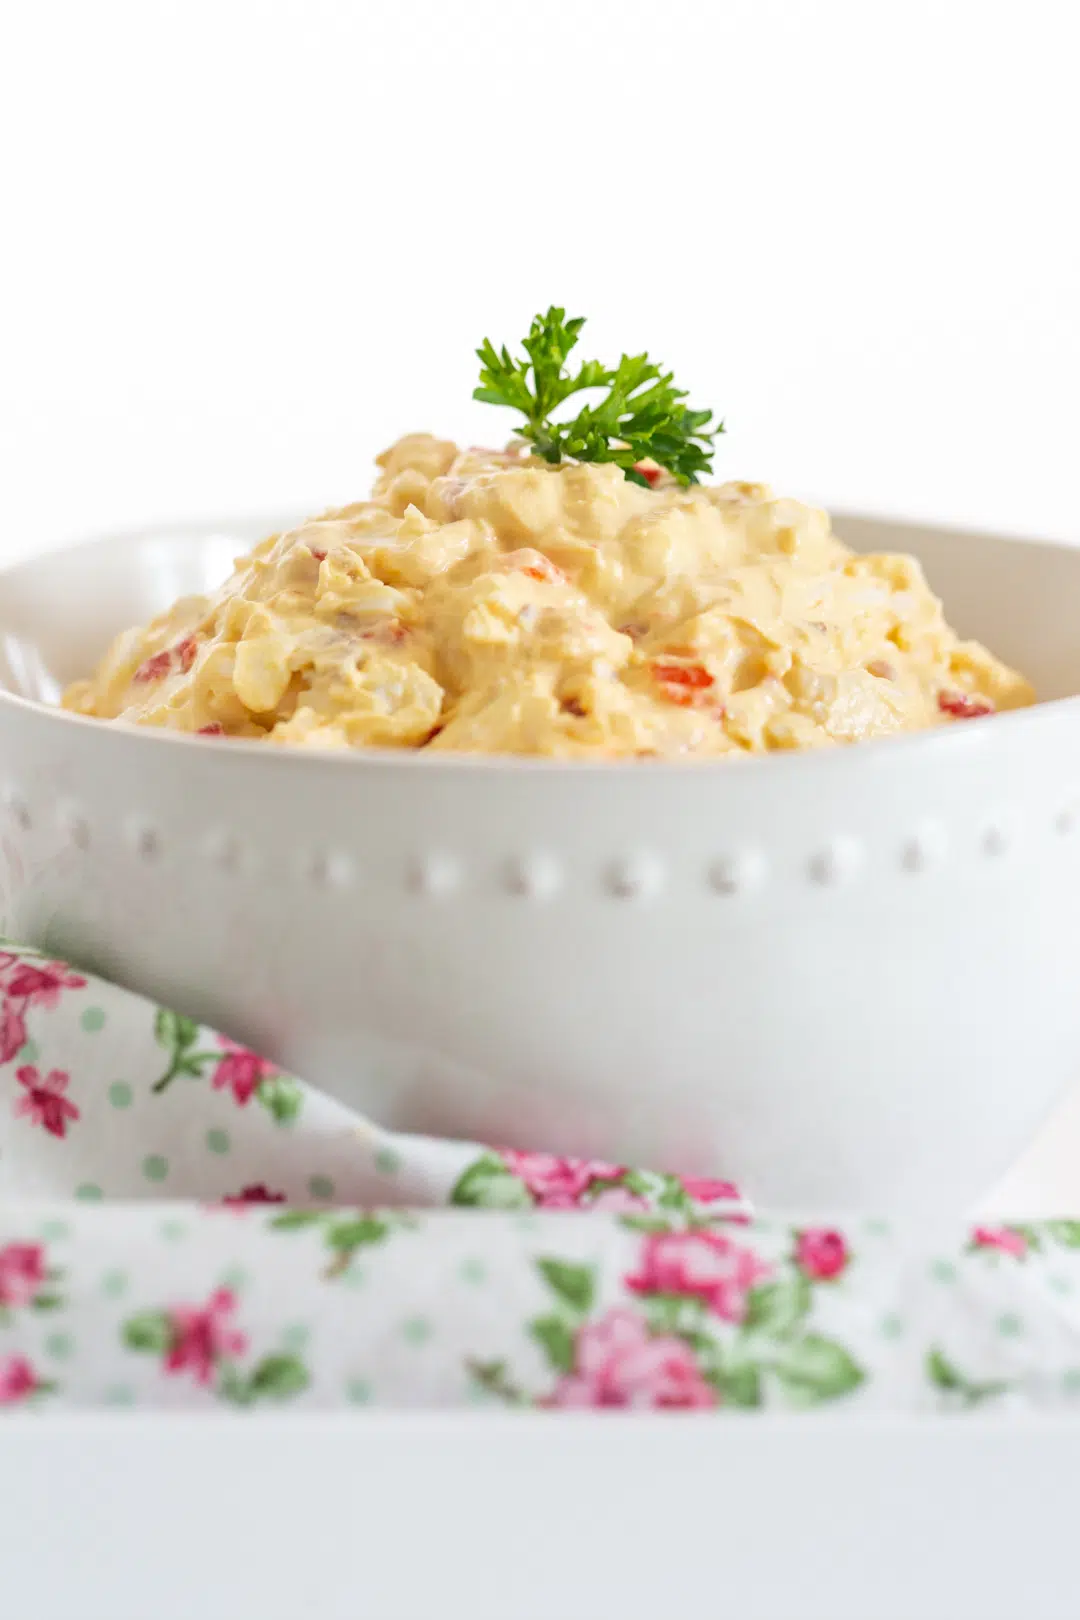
{"x": 181, "y": 1225}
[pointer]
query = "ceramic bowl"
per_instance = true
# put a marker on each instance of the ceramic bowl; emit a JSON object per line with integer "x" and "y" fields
{"x": 841, "y": 978}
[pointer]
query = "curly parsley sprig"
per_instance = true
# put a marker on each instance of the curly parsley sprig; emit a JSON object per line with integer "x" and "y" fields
{"x": 640, "y": 418}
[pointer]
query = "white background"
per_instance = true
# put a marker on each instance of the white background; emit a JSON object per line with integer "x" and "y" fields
{"x": 245, "y": 245}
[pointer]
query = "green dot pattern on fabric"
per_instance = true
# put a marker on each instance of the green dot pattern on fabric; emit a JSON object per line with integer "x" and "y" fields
{"x": 218, "y": 1141}
{"x": 358, "y": 1391}
{"x": 114, "y": 1284}
{"x": 59, "y": 1345}
{"x": 235, "y": 1278}
{"x": 155, "y": 1168}
{"x": 943, "y": 1271}
{"x": 321, "y": 1187}
{"x": 30, "y": 1052}
{"x": 892, "y": 1326}
{"x": 296, "y": 1336}
{"x": 88, "y": 1192}
{"x": 120, "y": 1094}
{"x": 1070, "y": 1381}
{"x": 173, "y": 1230}
{"x": 876, "y": 1228}
{"x": 119, "y": 1395}
{"x": 416, "y": 1330}
{"x": 54, "y": 1231}
{"x": 1009, "y": 1325}
{"x": 1058, "y": 1284}
{"x": 387, "y": 1162}
{"x": 93, "y": 1019}
{"x": 356, "y": 1276}
{"x": 473, "y": 1271}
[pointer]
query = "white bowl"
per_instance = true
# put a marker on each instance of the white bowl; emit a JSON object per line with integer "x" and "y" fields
{"x": 842, "y": 978}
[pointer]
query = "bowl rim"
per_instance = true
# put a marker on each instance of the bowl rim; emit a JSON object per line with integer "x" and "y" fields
{"x": 938, "y": 744}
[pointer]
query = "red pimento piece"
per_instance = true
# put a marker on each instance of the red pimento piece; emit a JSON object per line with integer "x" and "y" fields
{"x": 527, "y": 560}
{"x": 964, "y": 707}
{"x": 181, "y": 657}
{"x": 650, "y": 474}
{"x": 682, "y": 682}
{"x": 211, "y": 731}
{"x": 318, "y": 553}
{"x": 545, "y": 572}
{"x": 154, "y": 669}
{"x": 185, "y": 653}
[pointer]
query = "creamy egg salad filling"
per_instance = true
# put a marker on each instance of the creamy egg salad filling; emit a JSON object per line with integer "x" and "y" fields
{"x": 486, "y": 601}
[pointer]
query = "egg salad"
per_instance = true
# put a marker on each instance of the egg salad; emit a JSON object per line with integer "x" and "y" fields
{"x": 488, "y": 601}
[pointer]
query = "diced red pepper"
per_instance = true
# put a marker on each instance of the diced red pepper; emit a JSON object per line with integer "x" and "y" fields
{"x": 650, "y": 474}
{"x": 154, "y": 669}
{"x": 527, "y": 560}
{"x": 181, "y": 657}
{"x": 545, "y": 571}
{"x": 962, "y": 706}
{"x": 683, "y": 682}
{"x": 211, "y": 731}
{"x": 318, "y": 553}
{"x": 185, "y": 653}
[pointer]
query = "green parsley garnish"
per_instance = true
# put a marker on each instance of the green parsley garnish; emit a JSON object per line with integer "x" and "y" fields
{"x": 640, "y": 418}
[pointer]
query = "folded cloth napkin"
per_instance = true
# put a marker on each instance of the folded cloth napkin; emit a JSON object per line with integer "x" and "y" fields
{"x": 284, "y": 1250}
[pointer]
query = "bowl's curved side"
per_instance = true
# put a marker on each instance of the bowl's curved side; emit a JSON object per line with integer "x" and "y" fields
{"x": 843, "y": 979}
{"x": 60, "y": 611}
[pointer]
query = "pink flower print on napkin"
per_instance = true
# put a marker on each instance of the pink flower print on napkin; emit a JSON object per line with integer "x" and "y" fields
{"x": 704, "y": 1190}
{"x": 240, "y": 1071}
{"x": 257, "y": 1193}
{"x": 821, "y": 1253}
{"x": 617, "y": 1362}
{"x": 701, "y": 1264}
{"x": 40, "y": 984}
{"x": 22, "y": 1273}
{"x": 558, "y": 1183}
{"x": 1006, "y": 1239}
{"x": 45, "y": 1103}
{"x": 202, "y": 1336}
{"x": 18, "y": 1380}
{"x": 12, "y": 1030}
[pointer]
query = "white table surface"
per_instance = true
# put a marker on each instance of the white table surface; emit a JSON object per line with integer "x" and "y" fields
{"x": 485, "y": 1517}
